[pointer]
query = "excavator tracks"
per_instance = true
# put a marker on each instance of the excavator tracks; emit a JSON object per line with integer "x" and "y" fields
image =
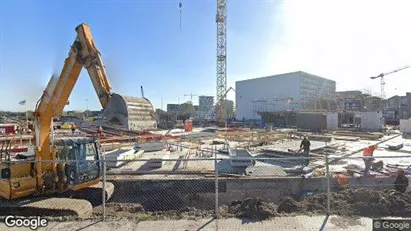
{"x": 47, "y": 207}
{"x": 74, "y": 204}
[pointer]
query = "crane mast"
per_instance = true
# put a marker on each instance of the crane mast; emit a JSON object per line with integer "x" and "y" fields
{"x": 221, "y": 19}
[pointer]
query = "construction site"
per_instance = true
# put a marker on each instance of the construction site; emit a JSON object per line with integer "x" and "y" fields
{"x": 131, "y": 161}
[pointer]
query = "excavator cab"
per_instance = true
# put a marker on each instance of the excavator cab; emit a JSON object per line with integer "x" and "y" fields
{"x": 81, "y": 160}
{"x": 78, "y": 166}
{"x": 76, "y": 178}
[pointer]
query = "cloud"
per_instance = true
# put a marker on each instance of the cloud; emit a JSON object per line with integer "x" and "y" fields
{"x": 347, "y": 41}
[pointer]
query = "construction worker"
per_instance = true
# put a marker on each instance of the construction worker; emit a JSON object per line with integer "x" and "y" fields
{"x": 99, "y": 132}
{"x": 401, "y": 182}
{"x": 305, "y": 145}
{"x": 367, "y": 157}
{"x": 73, "y": 128}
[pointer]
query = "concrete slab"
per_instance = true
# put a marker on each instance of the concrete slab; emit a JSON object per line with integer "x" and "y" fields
{"x": 240, "y": 157}
{"x": 150, "y": 146}
{"x": 257, "y": 171}
{"x": 282, "y": 147}
{"x": 120, "y": 157}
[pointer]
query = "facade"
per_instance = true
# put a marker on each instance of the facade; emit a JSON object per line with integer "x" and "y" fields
{"x": 285, "y": 92}
{"x": 350, "y": 100}
{"x": 173, "y": 107}
{"x": 205, "y": 103}
{"x": 205, "y": 108}
{"x": 398, "y": 107}
{"x": 356, "y": 101}
{"x": 372, "y": 103}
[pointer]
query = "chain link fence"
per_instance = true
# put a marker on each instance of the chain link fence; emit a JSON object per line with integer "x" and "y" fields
{"x": 187, "y": 183}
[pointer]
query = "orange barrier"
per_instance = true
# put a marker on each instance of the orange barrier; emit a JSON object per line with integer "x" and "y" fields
{"x": 341, "y": 179}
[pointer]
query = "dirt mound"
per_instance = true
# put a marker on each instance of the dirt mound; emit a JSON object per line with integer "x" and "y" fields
{"x": 348, "y": 202}
{"x": 368, "y": 202}
{"x": 360, "y": 202}
{"x": 289, "y": 205}
{"x": 253, "y": 208}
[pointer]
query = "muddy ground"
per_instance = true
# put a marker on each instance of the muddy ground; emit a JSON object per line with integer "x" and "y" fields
{"x": 347, "y": 202}
{"x": 361, "y": 202}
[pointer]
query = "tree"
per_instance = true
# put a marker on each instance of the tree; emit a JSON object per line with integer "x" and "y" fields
{"x": 186, "y": 109}
{"x": 87, "y": 113}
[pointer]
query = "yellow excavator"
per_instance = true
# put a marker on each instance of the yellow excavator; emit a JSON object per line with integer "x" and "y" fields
{"x": 56, "y": 168}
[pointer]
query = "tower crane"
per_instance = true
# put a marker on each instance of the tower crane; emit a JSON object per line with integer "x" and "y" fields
{"x": 229, "y": 89}
{"x": 191, "y": 96}
{"x": 382, "y": 75}
{"x": 221, "y": 70}
{"x": 221, "y": 19}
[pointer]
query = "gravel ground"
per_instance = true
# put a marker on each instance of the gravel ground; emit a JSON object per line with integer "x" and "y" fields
{"x": 295, "y": 223}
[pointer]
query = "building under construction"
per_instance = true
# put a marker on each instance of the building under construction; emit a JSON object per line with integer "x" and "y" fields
{"x": 285, "y": 92}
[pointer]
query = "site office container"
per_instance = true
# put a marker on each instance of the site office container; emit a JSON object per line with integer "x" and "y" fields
{"x": 8, "y": 128}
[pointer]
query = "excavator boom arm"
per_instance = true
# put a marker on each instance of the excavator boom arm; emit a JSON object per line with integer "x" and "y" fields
{"x": 52, "y": 103}
{"x": 83, "y": 52}
{"x": 91, "y": 59}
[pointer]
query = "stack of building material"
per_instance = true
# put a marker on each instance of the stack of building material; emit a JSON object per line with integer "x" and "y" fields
{"x": 157, "y": 162}
{"x": 240, "y": 157}
{"x": 150, "y": 146}
{"x": 119, "y": 157}
{"x": 320, "y": 138}
{"x": 346, "y": 138}
{"x": 272, "y": 170}
{"x": 395, "y": 146}
{"x": 362, "y": 135}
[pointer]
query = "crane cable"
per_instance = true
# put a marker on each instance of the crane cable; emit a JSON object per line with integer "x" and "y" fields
{"x": 180, "y": 5}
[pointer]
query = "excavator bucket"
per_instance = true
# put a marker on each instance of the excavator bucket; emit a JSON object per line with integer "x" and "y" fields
{"x": 130, "y": 113}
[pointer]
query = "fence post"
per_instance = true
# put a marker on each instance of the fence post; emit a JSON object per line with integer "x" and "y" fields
{"x": 328, "y": 183}
{"x": 104, "y": 188}
{"x": 216, "y": 182}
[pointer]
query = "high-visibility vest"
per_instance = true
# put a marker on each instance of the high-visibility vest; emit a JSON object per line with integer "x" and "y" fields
{"x": 367, "y": 152}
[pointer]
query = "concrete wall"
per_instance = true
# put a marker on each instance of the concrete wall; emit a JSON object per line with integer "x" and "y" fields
{"x": 265, "y": 88}
{"x": 332, "y": 121}
{"x": 370, "y": 120}
{"x": 312, "y": 122}
{"x": 405, "y": 126}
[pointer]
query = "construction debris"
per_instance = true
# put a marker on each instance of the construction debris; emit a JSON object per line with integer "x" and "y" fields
{"x": 362, "y": 135}
{"x": 395, "y": 146}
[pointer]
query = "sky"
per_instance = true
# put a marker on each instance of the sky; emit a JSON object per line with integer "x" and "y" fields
{"x": 142, "y": 44}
